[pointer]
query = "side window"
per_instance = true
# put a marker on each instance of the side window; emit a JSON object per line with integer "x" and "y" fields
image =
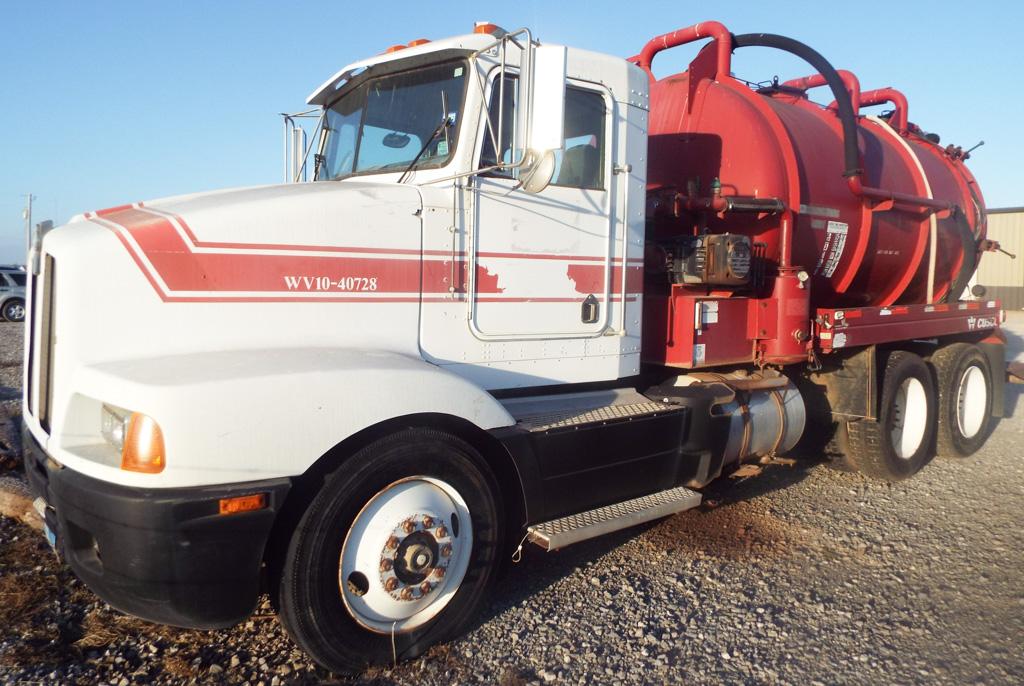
{"x": 506, "y": 107}
{"x": 17, "y": 278}
{"x": 580, "y": 162}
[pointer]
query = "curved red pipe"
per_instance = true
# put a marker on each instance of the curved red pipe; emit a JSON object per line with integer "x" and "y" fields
{"x": 850, "y": 80}
{"x": 880, "y": 96}
{"x": 915, "y": 201}
{"x": 705, "y": 29}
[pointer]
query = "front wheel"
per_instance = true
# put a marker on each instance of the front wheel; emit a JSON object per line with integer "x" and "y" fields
{"x": 394, "y": 554}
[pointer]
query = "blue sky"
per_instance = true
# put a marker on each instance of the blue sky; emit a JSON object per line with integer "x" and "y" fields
{"x": 112, "y": 102}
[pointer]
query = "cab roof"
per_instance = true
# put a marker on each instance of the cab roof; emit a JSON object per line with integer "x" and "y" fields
{"x": 455, "y": 46}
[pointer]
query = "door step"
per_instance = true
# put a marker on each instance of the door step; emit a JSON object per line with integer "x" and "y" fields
{"x": 559, "y": 533}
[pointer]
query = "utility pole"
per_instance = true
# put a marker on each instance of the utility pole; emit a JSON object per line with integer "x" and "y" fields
{"x": 28, "y": 221}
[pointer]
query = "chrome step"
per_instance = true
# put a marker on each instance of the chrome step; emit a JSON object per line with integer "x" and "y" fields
{"x": 608, "y": 413}
{"x": 545, "y": 413}
{"x": 559, "y": 533}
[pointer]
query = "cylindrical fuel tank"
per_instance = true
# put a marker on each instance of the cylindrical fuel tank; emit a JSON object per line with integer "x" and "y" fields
{"x": 776, "y": 143}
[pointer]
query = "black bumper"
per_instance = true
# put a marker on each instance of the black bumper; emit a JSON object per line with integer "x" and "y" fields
{"x": 165, "y": 555}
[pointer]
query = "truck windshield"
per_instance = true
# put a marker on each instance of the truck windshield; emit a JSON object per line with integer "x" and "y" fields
{"x": 383, "y": 123}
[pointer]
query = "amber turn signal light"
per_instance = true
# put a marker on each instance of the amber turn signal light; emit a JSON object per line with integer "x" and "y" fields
{"x": 143, "y": 449}
{"x": 243, "y": 503}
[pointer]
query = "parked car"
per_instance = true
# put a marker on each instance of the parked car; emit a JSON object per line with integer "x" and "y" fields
{"x": 12, "y": 292}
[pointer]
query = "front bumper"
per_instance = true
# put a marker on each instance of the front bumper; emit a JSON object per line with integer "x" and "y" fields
{"x": 165, "y": 555}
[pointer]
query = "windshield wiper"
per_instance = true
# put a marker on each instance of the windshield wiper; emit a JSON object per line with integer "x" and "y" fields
{"x": 446, "y": 121}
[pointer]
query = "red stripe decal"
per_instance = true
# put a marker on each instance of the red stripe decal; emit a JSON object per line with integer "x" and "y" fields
{"x": 358, "y": 249}
{"x": 589, "y": 278}
{"x": 164, "y": 255}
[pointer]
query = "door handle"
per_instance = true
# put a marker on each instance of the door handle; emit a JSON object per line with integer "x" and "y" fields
{"x": 591, "y": 309}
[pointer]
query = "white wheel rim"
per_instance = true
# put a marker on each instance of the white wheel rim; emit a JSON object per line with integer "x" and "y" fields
{"x": 405, "y": 555}
{"x": 15, "y": 312}
{"x": 910, "y": 418}
{"x": 971, "y": 399}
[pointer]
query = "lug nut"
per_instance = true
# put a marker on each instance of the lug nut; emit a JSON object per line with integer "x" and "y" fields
{"x": 441, "y": 532}
{"x": 428, "y": 522}
{"x": 408, "y": 526}
{"x": 426, "y": 587}
{"x": 392, "y": 543}
{"x": 406, "y": 593}
{"x": 439, "y": 572}
{"x": 446, "y": 550}
{"x": 391, "y": 584}
{"x": 385, "y": 565}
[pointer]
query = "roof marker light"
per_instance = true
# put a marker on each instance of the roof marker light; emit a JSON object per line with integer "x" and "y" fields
{"x": 486, "y": 27}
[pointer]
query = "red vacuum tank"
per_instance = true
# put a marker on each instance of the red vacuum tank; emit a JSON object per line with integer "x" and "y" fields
{"x": 903, "y": 226}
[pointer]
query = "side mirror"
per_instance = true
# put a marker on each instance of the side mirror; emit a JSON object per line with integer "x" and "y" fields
{"x": 543, "y": 118}
{"x": 537, "y": 172}
{"x": 547, "y": 99}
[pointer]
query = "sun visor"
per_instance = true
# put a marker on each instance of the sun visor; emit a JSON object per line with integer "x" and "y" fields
{"x": 419, "y": 55}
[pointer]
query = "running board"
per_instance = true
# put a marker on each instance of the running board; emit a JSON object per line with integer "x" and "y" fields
{"x": 559, "y": 533}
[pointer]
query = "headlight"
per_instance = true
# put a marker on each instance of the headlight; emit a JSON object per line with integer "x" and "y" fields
{"x": 137, "y": 437}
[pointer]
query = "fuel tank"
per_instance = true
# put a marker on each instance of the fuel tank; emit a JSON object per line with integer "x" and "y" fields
{"x": 902, "y": 227}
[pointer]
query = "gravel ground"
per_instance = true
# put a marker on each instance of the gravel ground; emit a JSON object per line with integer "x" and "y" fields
{"x": 801, "y": 575}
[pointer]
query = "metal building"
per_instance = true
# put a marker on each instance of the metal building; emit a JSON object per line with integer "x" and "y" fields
{"x": 1002, "y": 276}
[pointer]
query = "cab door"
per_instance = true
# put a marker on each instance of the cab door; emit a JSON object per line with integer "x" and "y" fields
{"x": 542, "y": 266}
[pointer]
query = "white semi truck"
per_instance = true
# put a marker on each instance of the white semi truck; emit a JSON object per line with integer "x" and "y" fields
{"x": 363, "y": 393}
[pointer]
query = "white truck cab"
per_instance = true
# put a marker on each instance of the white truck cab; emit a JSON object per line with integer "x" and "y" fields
{"x": 249, "y": 365}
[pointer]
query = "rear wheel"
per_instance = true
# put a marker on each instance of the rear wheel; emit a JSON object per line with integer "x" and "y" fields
{"x": 899, "y": 443}
{"x": 964, "y": 382}
{"x": 394, "y": 554}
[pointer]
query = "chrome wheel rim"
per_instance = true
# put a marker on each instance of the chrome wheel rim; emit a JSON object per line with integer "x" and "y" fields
{"x": 15, "y": 313}
{"x": 405, "y": 555}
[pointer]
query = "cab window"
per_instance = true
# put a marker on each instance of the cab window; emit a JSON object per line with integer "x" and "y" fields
{"x": 580, "y": 162}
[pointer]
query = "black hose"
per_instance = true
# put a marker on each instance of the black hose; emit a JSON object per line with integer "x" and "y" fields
{"x": 847, "y": 117}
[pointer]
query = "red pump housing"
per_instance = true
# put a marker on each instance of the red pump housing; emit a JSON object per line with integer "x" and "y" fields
{"x": 903, "y": 228}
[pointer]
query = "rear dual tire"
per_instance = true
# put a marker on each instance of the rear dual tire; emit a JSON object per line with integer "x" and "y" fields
{"x": 943, "y": 407}
{"x": 963, "y": 378}
{"x": 899, "y": 443}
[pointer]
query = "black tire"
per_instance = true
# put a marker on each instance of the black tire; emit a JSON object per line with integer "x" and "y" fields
{"x": 869, "y": 445}
{"x": 965, "y": 417}
{"x": 312, "y": 607}
{"x": 14, "y": 310}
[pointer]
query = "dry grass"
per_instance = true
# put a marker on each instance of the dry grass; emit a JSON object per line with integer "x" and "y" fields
{"x": 178, "y": 667}
{"x": 101, "y": 628}
{"x": 24, "y": 593}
